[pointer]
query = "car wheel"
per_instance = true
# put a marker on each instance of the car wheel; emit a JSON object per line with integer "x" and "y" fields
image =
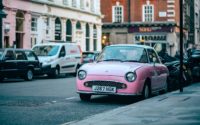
{"x": 85, "y": 97}
{"x": 55, "y": 73}
{"x": 146, "y": 91}
{"x": 29, "y": 75}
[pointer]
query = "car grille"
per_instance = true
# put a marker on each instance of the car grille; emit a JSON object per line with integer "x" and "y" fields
{"x": 118, "y": 85}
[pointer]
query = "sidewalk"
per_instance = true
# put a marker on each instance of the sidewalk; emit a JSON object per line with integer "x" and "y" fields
{"x": 168, "y": 109}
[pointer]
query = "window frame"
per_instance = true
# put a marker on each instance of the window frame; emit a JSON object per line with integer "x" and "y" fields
{"x": 116, "y": 18}
{"x": 34, "y": 23}
{"x": 144, "y": 15}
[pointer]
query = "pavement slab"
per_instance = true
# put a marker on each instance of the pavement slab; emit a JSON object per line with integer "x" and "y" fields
{"x": 173, "y": 108}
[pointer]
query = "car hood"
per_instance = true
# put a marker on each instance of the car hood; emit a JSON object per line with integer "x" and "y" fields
{"x": 45, "y": 58}
{"x": 110, "y": 68}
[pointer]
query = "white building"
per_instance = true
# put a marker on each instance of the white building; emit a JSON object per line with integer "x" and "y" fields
{"x": 35, "y": 21}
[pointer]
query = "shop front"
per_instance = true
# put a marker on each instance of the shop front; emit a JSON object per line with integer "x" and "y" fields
{"x": 158, "y": 36}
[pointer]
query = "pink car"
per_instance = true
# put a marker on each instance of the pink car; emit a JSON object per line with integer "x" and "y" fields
{"x": 123, "y": 70}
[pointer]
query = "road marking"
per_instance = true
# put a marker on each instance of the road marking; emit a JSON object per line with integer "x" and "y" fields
{"x": 54, "y": 101}
{"x": 68, "y": 123}
{"x": 70, "y": 98}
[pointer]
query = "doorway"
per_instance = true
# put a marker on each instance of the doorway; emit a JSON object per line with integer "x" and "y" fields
{"x": 6, "y": 42}
{"x": 19, "y": 40}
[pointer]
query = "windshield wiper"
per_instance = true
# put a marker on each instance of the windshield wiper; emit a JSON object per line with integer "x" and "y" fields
{"x": 130, "y": 61}
{"x": 112, "y": 60}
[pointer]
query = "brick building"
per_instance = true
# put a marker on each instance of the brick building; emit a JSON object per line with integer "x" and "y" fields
{"x": 153, "y": 22}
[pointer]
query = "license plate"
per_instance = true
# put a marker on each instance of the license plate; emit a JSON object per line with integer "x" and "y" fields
{"x": 104, "y": 89}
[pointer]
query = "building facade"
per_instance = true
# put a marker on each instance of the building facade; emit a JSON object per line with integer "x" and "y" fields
{"x": 194, "y": 32}
{"x": 30, "y": 22}
{"x": 151, "y": 22}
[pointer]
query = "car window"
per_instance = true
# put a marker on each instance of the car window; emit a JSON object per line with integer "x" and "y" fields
{"x": 10, "y": 55}
{"x": 1, "y": 53}
{"x": 46, "y": 50}
{"x": 121, "y": 53}
{"x": 30, "y": 56}
{"x": 20, "y": 55}
{"x": 62, "y": 51}
{"x": 144, "y": 58}
{"x": 88, "y": 55}
{"x": 152, "y": 54}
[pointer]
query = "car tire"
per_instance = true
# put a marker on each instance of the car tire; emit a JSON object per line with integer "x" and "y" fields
{"x": 29, "y": 75}
{"x": 146, "y": 93}
{"x": 55, "y": 73}
{"x": 85, "y": 97}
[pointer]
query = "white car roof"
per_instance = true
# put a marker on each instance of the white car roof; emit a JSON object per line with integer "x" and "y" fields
{"x": 54, "y": 43}
{"x": 135, "y": 45}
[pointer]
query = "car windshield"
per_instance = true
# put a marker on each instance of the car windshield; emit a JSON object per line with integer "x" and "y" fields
{"x": 1, "y": 53}
{"x": 47, "y": 50}
{"x": 121, "y": 53}
{"x": 88, "y": 55}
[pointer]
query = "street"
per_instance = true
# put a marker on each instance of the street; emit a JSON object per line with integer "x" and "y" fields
{"x": 49, "y": 101}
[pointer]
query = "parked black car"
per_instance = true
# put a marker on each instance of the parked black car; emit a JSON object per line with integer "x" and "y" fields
{"x": 194, "y": 63}
{"x": 18, "y": 63}
{"x": 173, "y": 65}
{"x": 89, "y": 56}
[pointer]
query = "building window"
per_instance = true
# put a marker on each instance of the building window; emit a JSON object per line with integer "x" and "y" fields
{"x": 33, "y": 24}
{"x": 19, "y": 22}
{"x": 148, "y": 13}
{"x": 82, "y": 4}
{"x": 117, "y": 14}
{"x": 92, "y": 5}
{"x": 69, "y": 31}
{"x": 47, "y": 25}
{"x": 58, "y": 29}
{"x": 87, "y": 37}
{"x": 65, "y": 2}
{"x": 74, "y": 4}
{"x": 33, "y": 41}
{"x": 95, "y": 38}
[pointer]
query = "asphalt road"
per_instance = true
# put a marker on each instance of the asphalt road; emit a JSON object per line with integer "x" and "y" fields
{"x": 45, "y": 101}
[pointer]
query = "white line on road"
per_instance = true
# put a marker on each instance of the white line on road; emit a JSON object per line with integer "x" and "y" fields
{"x": 68, "y": 123}
{"x": 70, "y": 98}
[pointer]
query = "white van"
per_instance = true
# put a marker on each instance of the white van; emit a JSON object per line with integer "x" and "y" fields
{"x": 57, "y": 58}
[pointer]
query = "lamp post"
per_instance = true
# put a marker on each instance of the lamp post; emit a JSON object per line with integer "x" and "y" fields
{"x": 181, "y": 46}
{"x": 2, "y": 15}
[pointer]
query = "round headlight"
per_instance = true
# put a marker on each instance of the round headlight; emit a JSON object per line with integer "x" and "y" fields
{"x": 82, "y": 74}
{"x": 130, "y": 76}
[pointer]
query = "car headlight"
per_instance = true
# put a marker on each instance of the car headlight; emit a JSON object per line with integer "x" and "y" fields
{"x": 82, "y": 74}
{"x": 130, "y": 76}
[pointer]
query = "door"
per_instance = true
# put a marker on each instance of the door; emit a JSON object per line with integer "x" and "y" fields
{"x": 9, "y": 67}
{"x": 21, "y": 62}
{"x": 156, "y": 73}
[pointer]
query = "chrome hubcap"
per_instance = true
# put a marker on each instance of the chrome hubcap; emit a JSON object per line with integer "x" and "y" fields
{"x": 30, "y": 74}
